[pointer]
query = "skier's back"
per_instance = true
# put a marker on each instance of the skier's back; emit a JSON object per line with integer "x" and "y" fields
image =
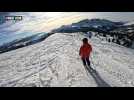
{"x": 85, "y": 51}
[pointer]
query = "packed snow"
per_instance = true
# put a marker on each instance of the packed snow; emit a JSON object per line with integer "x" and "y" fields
{"x": 55, "y": 62}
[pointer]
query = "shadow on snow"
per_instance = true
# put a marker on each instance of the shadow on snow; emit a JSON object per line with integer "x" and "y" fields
{"x": 100, "y": 82}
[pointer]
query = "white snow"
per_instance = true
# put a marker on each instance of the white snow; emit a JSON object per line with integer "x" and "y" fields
{"x": 55, "y": 62}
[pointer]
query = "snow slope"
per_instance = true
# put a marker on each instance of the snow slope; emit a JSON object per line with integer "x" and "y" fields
{"x": 55, "y": 62}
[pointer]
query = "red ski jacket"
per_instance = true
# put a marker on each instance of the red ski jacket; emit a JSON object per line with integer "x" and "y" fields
{"x": 85, "y": 50}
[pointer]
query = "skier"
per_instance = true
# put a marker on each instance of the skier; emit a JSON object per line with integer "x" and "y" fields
{"x": 85, "y": 51}
{"x": 89, "y": 34}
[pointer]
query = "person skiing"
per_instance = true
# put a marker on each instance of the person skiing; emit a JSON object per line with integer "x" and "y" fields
{"x": 85, "y": 51}
{"x": 89, "y": 34}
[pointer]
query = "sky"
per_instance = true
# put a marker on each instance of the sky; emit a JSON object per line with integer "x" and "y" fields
{"x": 36, "y": 22}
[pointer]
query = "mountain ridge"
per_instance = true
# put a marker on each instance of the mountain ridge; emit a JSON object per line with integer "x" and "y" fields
{"x": 121, "y": 33}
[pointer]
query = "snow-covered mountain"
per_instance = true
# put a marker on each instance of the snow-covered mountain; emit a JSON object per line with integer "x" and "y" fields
{"x": 92, "y": 24}
{"x": 102, "y": 26}
{"x": 22, "y": 42}
{"x": 121, "y": 32}
{"x": 97, "y": 23}
{"x": 55, "y": 62}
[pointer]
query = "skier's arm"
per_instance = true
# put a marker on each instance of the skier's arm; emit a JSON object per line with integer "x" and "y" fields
{"x": 80, "y": 51}
{"x": 91, "y": 49}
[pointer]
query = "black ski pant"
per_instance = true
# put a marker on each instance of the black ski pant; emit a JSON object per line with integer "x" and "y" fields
{"x": 86, "y": 61}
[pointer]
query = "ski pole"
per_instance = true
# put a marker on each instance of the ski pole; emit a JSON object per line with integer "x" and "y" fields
{"x": 92, "y": 61}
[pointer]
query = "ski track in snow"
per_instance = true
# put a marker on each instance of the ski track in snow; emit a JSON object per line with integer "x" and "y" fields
{"x": 55, "y": 62}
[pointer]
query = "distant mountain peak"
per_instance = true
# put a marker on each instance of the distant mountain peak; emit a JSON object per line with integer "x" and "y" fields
{"x": 96, "y": 23}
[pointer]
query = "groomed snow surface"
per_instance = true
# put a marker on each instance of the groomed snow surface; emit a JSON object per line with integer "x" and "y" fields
{"x": 55, "y": 62}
